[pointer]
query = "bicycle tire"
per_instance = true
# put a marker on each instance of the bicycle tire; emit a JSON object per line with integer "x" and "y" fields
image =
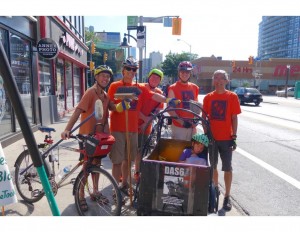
{"x": 29, "y": 185}
{"x": 97, "y": 206}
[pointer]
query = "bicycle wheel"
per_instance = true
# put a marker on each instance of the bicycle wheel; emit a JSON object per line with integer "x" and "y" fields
{"x": 29, "y": 185}
{"x": 96, "y": 193}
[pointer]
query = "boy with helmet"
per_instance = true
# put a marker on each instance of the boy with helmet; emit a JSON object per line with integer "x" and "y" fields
{"x": 118, "y": 154}
{"x": 86, "y": 107}
{"x": 184, "y": 91}
{"x": 198, "y": 153}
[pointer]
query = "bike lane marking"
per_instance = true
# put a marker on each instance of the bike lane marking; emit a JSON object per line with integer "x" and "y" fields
{"x": 270, "y": 168}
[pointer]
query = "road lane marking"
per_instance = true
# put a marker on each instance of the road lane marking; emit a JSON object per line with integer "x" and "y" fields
{"x": 270, "y": 168}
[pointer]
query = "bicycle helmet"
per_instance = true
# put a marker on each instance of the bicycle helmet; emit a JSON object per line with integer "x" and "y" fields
{"x": 201, "y": 138}
{"x": 185, "y": 65}
{"x": 103, "y": 68}
{"x": 131, "y": 62}
{"x": 157, "y": 72}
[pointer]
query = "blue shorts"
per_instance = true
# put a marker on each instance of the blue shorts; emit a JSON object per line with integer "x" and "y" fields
{"x": 224, "y": 149}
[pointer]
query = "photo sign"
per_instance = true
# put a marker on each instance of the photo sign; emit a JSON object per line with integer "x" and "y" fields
{"x": 7, "y": 192}
{"x": 47, "y": 48}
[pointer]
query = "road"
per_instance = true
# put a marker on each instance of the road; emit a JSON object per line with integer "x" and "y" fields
{"x": 266, "y": 176}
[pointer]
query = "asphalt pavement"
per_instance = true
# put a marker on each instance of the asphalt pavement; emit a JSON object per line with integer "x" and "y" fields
{"x": 64, "y": 197}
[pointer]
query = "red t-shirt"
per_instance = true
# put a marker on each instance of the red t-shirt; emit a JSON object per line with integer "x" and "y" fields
{"x": 118, "y": 120}
{"x": 219, "y": 109}
{"x": 184, "y": 92}
{"x": 148, "y": 105}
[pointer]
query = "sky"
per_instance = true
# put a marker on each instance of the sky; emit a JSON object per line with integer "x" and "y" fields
{"x": 217, "y": 27}
{"x": 233, "y": 38}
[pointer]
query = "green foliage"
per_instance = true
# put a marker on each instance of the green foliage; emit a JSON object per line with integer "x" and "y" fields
{"x": 170, "y": 64}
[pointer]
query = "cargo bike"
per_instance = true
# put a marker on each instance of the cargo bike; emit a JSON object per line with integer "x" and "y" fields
{"x": 167, "y": 187}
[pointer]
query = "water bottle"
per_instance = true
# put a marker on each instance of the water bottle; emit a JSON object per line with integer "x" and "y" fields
{"x": 64, "y": 171}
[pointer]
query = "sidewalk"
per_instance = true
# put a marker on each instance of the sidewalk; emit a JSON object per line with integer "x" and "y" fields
{"x": 64, "y": 197}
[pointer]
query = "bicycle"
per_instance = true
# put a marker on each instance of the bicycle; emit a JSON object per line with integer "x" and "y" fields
{"x": 106, "y": 201}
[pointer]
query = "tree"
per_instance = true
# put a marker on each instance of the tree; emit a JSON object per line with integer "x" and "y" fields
{"x": 170, "y": 64}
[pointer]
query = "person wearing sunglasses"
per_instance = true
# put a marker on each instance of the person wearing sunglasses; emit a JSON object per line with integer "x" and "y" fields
{"x": 184, "y": 91}
{"x": 118, "y": 154}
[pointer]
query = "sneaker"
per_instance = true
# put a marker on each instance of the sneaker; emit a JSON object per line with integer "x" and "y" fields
{"x": 227, "y": 203}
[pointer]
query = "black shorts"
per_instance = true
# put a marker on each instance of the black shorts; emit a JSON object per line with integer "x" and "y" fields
{"x": 224, "y": 149}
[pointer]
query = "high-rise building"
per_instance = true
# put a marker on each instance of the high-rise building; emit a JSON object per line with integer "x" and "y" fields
{"x": 279, "y": 37}
{"x": 156, "y": 58}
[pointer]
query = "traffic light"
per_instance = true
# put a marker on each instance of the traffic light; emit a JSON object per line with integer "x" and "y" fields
{"x": 104, "y": 57}
{"x": 176, "y": 26}
{"x": 93, "y": 48}
{"x": 92, "y": 65}
{"x": 233, "y": 64}
{"x": 250, "y": 59}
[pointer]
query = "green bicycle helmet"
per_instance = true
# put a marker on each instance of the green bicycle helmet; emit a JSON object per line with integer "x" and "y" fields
{"x": 201, "y": 138}
{"x": 157, "y": 72}
{"x": 103, "y": 68}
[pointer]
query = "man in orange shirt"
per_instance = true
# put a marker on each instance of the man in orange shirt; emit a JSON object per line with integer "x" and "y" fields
{"x": 118, "y": 154}
{"x": 185, "y": 91}
{"x": 222, "y": 107}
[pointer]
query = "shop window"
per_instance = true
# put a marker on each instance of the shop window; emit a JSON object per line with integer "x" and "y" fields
{"x": 60, "y": 87}
{"x": 69, "y": 84}
{"x": 5, "y": 106}
{"x": 21, "y": 68}
{"x": 77, "y": 89}
{"x": 45, "y": 74}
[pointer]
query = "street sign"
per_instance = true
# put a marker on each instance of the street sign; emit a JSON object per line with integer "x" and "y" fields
{"x": 132, "y": 22}
{"x": 153, "y": 19}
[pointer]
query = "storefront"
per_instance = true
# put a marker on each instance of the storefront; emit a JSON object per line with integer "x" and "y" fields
{"x": 267, "y": 75}
{"x": 48, "y": 87}
{"x": 62, "y": 79}
{"x": 18, "y": 37}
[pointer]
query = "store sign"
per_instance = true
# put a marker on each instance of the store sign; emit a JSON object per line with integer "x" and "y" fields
{"x": 281, "y": 70}
{"x": 47, "y": 48}
{"x": 238, "y": 69}
{"x": 70, "y": 43}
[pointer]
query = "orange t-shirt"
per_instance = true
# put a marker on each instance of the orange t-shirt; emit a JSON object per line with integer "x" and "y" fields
{"x": 87, "y": 105}
{"x": 118, "y": 120}
{"x": 219, "y": 109}
{"x": 184, "y": 92}
{"x": 148, "y": 105}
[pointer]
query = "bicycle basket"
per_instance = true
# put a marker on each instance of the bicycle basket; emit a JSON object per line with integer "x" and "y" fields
{"x": 99, "y": 144}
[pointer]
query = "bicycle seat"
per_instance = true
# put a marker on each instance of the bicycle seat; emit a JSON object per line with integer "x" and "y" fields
{"x": 46, "y": 129}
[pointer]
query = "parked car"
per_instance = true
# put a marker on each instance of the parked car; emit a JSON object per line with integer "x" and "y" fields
{"x": 290, "y": 92}
{"x": 249, "y": 95}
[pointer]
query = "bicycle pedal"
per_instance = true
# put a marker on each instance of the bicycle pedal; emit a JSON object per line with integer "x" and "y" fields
{"x": 36, "y": 193}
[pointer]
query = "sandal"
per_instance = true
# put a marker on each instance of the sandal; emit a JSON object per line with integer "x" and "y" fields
{"x": 83, "y": 205}
{"x": 99, "y": 197}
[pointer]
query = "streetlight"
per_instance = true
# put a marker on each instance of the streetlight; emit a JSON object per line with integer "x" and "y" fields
{"x": 188, "y": 45}
{"x": 125, "y": 44}
{"x": 287, "y": 79}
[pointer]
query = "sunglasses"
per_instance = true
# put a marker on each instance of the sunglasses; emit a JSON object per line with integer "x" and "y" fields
{"x": 130, "y": 69}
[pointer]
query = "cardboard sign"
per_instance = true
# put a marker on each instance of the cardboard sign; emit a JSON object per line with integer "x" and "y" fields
{"x": 7, "y": 192}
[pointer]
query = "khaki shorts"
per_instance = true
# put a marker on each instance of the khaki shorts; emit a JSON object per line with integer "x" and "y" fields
{"x": 182, "y": 133}
{"x": 118, "y": 152}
